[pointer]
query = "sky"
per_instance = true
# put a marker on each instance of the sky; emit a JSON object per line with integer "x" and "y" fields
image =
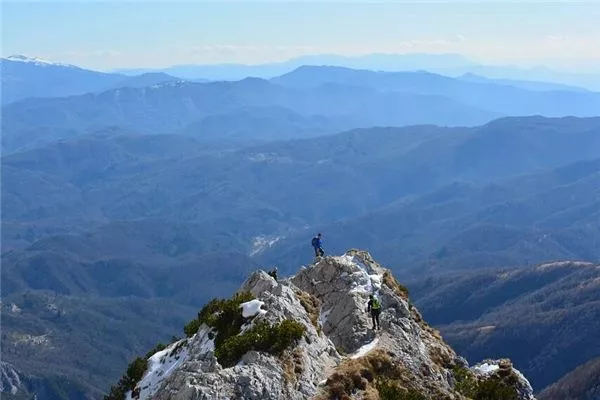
{"x": 106, "y": 35}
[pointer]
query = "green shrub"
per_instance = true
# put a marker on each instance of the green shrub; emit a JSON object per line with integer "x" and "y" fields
{"x": 272, "y": 339}
{"x": 229, "y": 320}
{"x": 490, "y": 389}
{"x": 224, "y": 315}
{"x": 210, "y": 311}
{"x": 495, "y": 389}
{"x": 226, "y": 318}
{"x": 286, "y": 334}
{"x": 135, "y": 372}
{"x": 156, "y": 349}
{"x": 466, "y": 383}
{"x": 118, "y": 391}
{"x": 191, "y": 327}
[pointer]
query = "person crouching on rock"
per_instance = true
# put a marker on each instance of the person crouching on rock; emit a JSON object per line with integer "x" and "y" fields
{"x": 273, "y": 273}
{"x": 374, "y": 306}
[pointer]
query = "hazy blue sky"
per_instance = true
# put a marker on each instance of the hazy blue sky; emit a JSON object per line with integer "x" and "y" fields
{"x": 104, "y": 35}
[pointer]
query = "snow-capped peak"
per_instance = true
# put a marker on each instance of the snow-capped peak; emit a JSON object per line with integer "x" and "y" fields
{"x": 36, "y": 61}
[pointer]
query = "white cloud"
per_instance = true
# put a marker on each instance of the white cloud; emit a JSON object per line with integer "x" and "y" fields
{"x": 557, "y": 38}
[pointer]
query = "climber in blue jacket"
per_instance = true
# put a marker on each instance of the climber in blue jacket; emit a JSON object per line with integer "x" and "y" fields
{"x": 317, "y": 244}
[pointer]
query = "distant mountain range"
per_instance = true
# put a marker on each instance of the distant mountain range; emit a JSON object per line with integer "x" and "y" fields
{"x": 590, "y": 81}
{"x": 445, "y": 64}
{"x": 523, "y": 84}
{"x": 306, "y": 102}
{"x": 384, "y": 62}
{"x": 543, "y": 317}
{"x": 174, "y": 106}
{"x": 500, "y": 98}
{"x": 24, "y": 77}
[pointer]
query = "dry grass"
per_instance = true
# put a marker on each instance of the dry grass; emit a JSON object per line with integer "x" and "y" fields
{"x": 312, "y": 305}
{"x": 292, "y": 365}
{"x": 298, "y": 363}
{"x": 371, "y": 394}
{"x": 434, "y": 332}
{"x": 441, "y": 357}
{"x": 361, "y": 373}
{"x": 392, "y": 283}
{"x": 287, "y": 364}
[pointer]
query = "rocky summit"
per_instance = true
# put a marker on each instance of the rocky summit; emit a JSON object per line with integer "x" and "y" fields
{"x": 309, "y": 336}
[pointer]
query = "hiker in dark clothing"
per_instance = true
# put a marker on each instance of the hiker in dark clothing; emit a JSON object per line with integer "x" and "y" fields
{"x": 317, "y": 244}
{"x": 374, "y": 306}
{"x": 273, "y": 273}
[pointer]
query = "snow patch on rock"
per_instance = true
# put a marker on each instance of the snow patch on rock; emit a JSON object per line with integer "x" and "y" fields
{"x": 160, "y": 366}
{"x": 486, "y": 369}
{"x": 365, "y": 349}
{"x": 252, "y": 308}
{"x": 365, "y": 282}
{"x": 323, "y": 317}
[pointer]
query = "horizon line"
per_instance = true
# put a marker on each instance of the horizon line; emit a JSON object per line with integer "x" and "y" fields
{"x": 468, "y": 62}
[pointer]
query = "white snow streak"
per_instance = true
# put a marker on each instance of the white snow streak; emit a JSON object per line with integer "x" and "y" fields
{"x": 323, "y": 315}
{"x": 365, "y": 349}
{"x": 160, "y": 366}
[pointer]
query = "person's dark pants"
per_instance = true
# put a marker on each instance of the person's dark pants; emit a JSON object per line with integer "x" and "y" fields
{"x": 375, "y": 317}
{"x": 319, "y": 252}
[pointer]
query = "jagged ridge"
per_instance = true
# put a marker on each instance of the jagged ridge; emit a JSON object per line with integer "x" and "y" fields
{"x": 338, "y": 356}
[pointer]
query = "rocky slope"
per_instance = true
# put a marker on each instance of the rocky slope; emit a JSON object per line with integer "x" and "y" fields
{"x": 334, "y": 355}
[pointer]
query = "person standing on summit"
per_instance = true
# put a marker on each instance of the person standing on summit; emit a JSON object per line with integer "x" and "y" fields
{"x": 317, "y": 244}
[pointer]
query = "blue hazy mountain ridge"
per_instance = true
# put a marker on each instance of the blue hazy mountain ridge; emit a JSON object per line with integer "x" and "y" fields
{"x": 340, "y": 98}
{"x": 445, "y": 64}
{"x": 523, "y": 84}
{"x": 173, "y": 106}
{"x": 488, "y": 95}
{"x": 587, "y": 80}
{"x": 23, "y": 78}
{"x": 144, "y": 80}
{"x": 401, "y": 62}
{"x": 248, "y": 125}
